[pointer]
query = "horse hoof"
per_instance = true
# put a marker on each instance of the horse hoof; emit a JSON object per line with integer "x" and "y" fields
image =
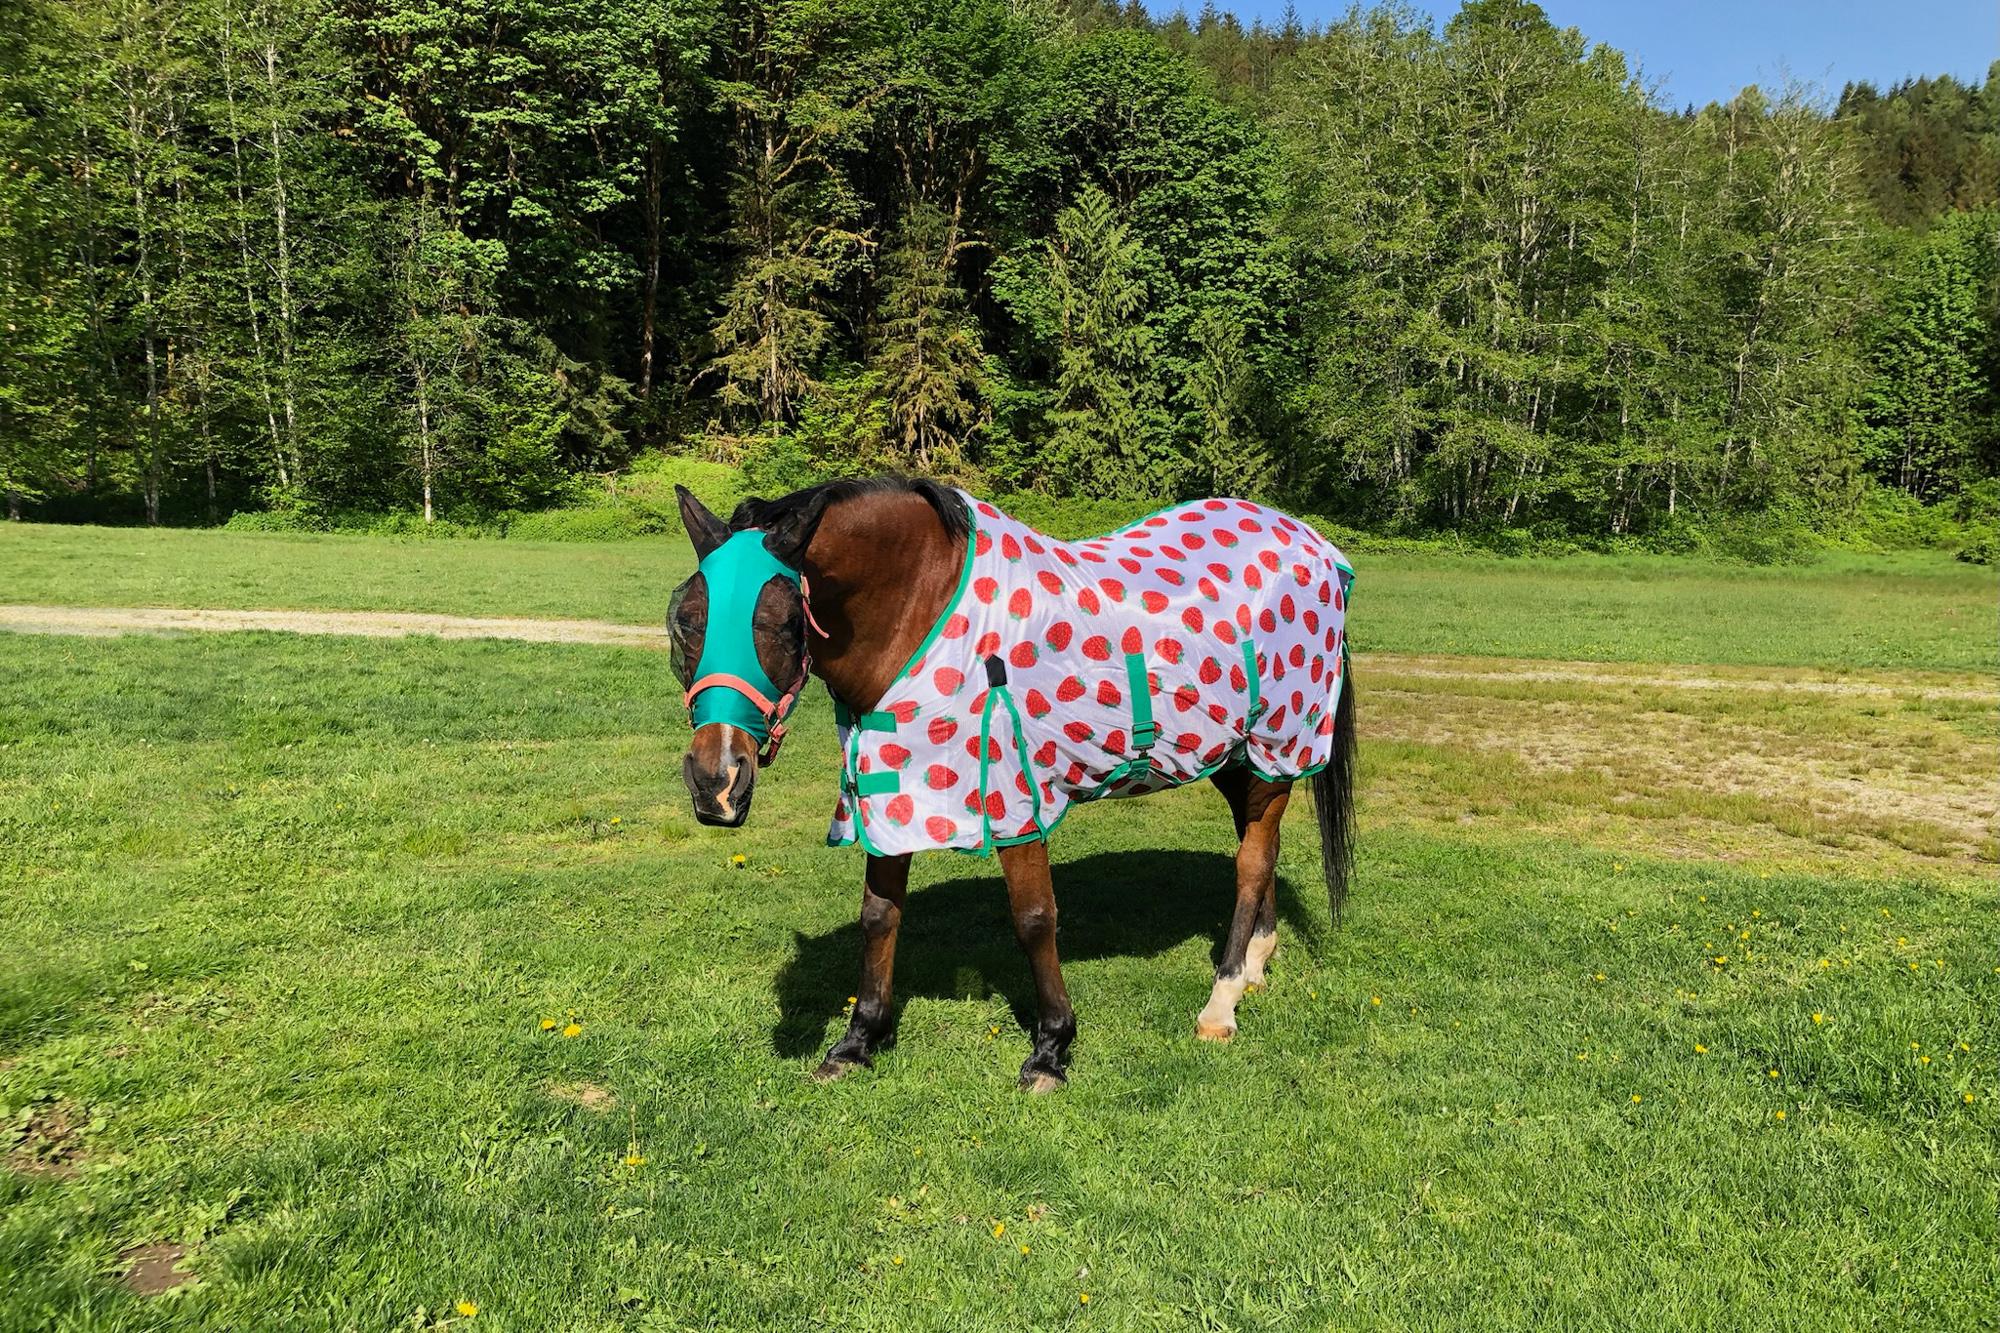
{"x": 1039, "y": 1083}
{"x": 829, "y": 1070}
{"x": 1213, "y": 1031}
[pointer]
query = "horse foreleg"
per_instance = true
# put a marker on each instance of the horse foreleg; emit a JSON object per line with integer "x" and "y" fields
{"x": 883, "y": 890}
{"x": 1253, "y": 928}
{"x": 1031, "y": 894}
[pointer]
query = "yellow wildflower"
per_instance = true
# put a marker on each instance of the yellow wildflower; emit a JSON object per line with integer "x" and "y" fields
{"x": 999, "y": 1229}
{"x": 1598, "y": 977}
{"x": 898, "y": 1261}
{"x": 1819, "y": 1018}
{"x": 1700, "y": 1049}
{"x": 634, "y": 1159}
{"x": 575, "y": 1029}
{"x": 548, "y": 1025}
{"x": 615, "y": 820}
{"x": 1083, "y": 1298}
{"x": 1968, "y": 1099}
{"x": 1375, "y": 999}
{"x": 1636, "y": 1099}
{"x": 1781, "y": 1115}
{"x": 1024, "y": 1249}
{"x": 466, "y": 1308}
{"x": 1923, "y": 1059}
{"x": 739, "y": 860}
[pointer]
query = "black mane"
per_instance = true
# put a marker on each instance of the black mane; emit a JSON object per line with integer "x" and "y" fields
{"x": 810, "y": 503}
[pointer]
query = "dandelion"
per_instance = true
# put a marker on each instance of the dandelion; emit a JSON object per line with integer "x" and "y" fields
{"x": 548, "y": 1025}
{"x": 1598, "y": 976}
{"x": 1024, "y": 1251}
{"x": 1618, "y": 866}
{"x": 1916, "y": 1046}
{"x": 1700, "y": 1049}
{"x": 1721, "y": 959}
{"x": 466, "y": 1308}
{"x": 1902, "y": 942}
{"x": 616, "y": 821}
{"x": 1083, "y": 1298}
{"x": 993, "y": 1031}
{"x": 739, "y": 860}
{"x": 1923, "y": 1059}
{"x": 850, "y": 999}
{"x": 1781, "y": 1115}
{"x": 634, "y": 1159}
{"x": 999, "y": 1230}
{"x": 1913, "y": 967}
{"x": 1756, "y": 911}
{"x": 898, "y": 1261}
{"x": 1703, "y": 898}
{"x": 1968, "y": 1099}
{"x": 1963, "y": 1046}
{"x": 1819, "y": 1018}
{"x": 575, "y": 1029}
{"x": 1885, "y": 912}
{"x": 1636, "y": 1099}
{"x": 1375, "y": 999}
{"x": 1583, "y": 1055}
{"x": 1826, "y": 962}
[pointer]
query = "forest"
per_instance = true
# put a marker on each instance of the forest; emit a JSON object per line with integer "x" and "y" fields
{"x": 458, "y": 258}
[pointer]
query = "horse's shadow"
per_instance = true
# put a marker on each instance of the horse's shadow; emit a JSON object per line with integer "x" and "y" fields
{"x": 957, "y": 941}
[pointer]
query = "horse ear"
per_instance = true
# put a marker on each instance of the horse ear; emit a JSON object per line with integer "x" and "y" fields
{"x": 704, "y": 529}
{"x": 788, "y": 538}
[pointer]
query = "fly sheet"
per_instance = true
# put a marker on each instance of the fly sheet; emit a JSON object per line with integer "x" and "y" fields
{"x": 1208, "y": 634}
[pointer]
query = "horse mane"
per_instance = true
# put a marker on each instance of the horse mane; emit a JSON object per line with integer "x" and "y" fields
{"x": 803, "y": 509}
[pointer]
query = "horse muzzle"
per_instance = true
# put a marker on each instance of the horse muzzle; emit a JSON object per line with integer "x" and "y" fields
{"x": 720, "y": 770}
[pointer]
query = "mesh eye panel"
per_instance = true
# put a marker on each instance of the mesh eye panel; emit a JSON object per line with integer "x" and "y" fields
{"x": 685, "y": 639}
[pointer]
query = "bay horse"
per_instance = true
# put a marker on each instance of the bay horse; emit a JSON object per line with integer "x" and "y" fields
{"x": 985, "y": 676}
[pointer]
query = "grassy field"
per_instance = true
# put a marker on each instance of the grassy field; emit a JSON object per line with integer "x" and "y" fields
{"x": 1618, "y": 1032}
{"x": 1908, "y": 610}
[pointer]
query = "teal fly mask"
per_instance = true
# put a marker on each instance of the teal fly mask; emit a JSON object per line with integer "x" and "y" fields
{"x": 728, "y": 684}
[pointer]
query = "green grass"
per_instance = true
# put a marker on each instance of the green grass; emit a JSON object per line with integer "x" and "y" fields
{"x": 1916, "y": 610}
{"x": 284, "y": 917}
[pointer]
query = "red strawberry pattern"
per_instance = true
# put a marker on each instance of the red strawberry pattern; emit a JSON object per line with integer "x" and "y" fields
{"x": 1193, "y": 592}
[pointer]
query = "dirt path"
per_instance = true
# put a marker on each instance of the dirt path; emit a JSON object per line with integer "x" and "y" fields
{"x": 102, "y": 620}
{"x": 106, "y": 620}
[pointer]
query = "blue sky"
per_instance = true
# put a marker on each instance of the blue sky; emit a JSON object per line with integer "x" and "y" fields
{"x": 1705, "y": 50}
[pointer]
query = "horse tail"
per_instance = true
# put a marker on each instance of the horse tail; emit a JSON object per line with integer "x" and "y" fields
{"x": 1333, "y": 798}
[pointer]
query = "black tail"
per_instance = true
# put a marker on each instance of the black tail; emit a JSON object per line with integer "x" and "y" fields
{"x": 1333, "y": 799}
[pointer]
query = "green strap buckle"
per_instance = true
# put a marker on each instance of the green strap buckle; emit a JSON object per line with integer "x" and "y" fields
{"x": 878, "y": 784}
{"x": 1256, "y": 708}
{"x": 1144, "y": 730}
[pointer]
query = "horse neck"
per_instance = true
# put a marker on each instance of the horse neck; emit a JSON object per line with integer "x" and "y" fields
{"x": 881, "y": 569}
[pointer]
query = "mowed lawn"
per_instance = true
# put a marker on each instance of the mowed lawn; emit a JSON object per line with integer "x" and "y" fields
{"x": 1917, "y": 609}
{"x": 288, "y": 921}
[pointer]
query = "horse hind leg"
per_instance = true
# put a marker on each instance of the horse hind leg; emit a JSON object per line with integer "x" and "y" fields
{"x": 1259, "y": 807}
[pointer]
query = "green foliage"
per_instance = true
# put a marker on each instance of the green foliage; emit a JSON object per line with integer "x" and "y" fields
{"x": 400, "y": 254}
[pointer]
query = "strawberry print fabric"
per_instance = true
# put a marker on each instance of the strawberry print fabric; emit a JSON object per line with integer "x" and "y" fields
{"x": 1207, "y": 634}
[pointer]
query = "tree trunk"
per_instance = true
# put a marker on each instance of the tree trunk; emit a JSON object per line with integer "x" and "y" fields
{"x": 261, "y": 368}
{"x": 287, "y": 315}
{"x": 649, "y": 306}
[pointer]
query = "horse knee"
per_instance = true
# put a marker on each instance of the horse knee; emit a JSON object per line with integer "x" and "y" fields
{"x": 879, "y": 916}
{"x": 1035, "y": 925}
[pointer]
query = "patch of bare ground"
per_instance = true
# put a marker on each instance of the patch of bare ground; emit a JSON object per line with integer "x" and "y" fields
{"x": 50, "y": 1142}
{"x": 590, "y": 1096}
{"x": 1881, "y": 766}
{"x": 153, "y": 1270}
